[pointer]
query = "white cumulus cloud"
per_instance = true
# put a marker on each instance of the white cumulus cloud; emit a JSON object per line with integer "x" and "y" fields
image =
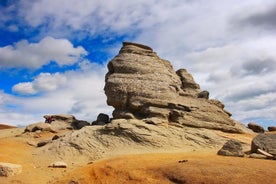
{"x": 34, "y": 55}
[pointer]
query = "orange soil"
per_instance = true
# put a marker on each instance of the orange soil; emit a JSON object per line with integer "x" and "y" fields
{"x": 196, "y": 167}
{"x": 165, "y": 168}
{"x": 3, "y": 126}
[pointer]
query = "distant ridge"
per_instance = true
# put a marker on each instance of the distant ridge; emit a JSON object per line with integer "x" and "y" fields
{"x": 4, "y": 126}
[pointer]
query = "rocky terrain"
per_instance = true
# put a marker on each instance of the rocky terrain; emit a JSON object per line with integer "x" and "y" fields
{"x": 163, "y": 127}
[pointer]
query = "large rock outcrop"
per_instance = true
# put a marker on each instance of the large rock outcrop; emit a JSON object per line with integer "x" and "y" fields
{"x": 140, "y": 85}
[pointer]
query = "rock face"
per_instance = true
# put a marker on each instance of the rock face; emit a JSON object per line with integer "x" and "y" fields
{"x": 231, "y": 148}
{"x": 255, "y": 127}
{"x": 8, "y": 169}
{"x": 140, "y": 85}
{"x": 127, "y": 136}
{"x": 266, "y": 142}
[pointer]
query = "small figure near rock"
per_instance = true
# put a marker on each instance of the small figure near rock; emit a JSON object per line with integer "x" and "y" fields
{"x": 49, "y": 119}
{"x": 255, "y": 127}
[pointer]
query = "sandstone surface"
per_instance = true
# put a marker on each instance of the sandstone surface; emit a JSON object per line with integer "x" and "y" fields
{"x": 141, "y": 85}
{"x": 8, "y": 169}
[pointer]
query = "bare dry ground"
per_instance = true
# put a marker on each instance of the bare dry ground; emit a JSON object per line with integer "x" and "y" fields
{"x": 201, "y": 166}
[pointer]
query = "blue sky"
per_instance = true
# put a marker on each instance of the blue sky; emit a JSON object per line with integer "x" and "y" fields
{"x": 53, "y": 53}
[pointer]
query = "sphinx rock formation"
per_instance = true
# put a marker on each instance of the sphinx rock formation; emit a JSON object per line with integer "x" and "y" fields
{"x": 140, "y": 85}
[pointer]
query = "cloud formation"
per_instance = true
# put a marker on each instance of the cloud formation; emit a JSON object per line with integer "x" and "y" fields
{"x": 228, "y": 46}
{"x": 34, "y": 55}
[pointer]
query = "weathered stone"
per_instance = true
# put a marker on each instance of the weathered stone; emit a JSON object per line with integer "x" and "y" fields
{"x": 231, "y": 148}
{"x": 271, "y": 128}
{"x": 58, "y": 164}
{"x": 66, "y": 121}
{"x": 102, "y": 119}
{"x": 43, "y": 143}
{"x": 78, "y": 124}
{"x": 203, "y": 94}
{"x": 189, "y": 86}
{"x": 255, "y": 127}
{"x": 55, "y": 137}
{"x": 266, "y": 142}
{"x": 8, "y": 169}
{"x": 140, "y": 85}
{"x": 40, "y": 127}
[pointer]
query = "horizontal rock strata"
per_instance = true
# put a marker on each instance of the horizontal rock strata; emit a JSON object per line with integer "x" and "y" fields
{"x": 140, "y": 85}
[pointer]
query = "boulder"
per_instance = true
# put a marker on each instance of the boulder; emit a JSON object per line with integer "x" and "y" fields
{"x": 8, "y": 169}
{"x": 271, "y": 128}
{"x": 43, "y": 143}
{"x": 231, "y": 148}
{"x": 66, "y": 121}
{"x": 78, "y": 124}
{"x": 255, "y": 127}
{"x": 40, "y": 127}
{"x": 140, "y": 85}
{"x": 203, "y": 94}
{"x": 102, "y": 119}
{"x": 265, "y": 142}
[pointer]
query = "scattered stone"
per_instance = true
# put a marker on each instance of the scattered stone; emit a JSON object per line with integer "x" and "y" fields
{"x": 255, "y": 127}
{"x": 102, "y": 119}
{"x": 182, "y": 161}
{"x": 43, "y": 143}
{"x": 231, "y": 148}
{"x": 271, "y": 128}
{"x": 265, "y": 142}
{"x": 55, "y": 137}
{"x": 258, "y": 156}
{"x": 78, "y": 124}
{"x": 8, "y": 169}
{"x": 58, "y": 164}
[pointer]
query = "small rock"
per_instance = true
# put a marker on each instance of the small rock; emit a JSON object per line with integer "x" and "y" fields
{"x": 271, "y": 128}
{"x": 58, "y": 164}
{"x": 255, "y": 127}
{"x": 231, "y": 148}
{"x": 203, "y": 94}
{"x": 55, "y": 137}
{"x": 8, "y": 169}
{"x": 43, "y": 143}
{"x": 102, "y": 119}
{"x": 182, "y": 161}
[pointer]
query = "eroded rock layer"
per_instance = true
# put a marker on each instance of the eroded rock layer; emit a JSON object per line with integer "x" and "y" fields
{"x": 140, "y": 85}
